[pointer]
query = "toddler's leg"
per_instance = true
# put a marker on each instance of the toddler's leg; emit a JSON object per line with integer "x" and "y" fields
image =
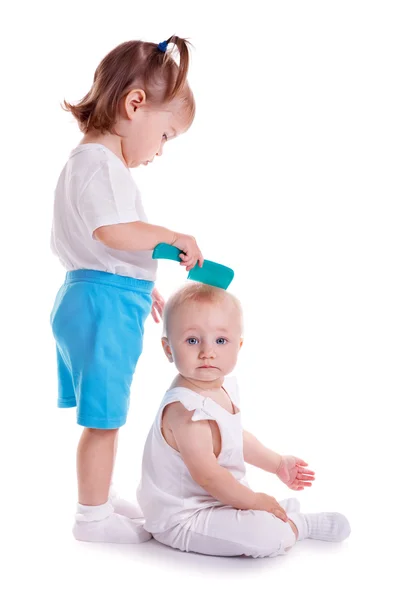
{"x": 96, "y": 520}
{"x": 95, "y": 460}
{"x": 121, "y": 506}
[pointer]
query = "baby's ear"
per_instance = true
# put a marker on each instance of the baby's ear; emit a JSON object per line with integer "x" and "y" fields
{"x": 167, "y": 349}
{"x": 240, "y": 343}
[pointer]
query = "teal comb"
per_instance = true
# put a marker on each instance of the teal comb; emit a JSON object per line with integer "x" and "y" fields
{"x": 211, "y": 273}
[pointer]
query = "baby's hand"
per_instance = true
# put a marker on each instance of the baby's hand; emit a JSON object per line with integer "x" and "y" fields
{"x": 191, "y": 254}
{"x": 269, "y": 504}
{"x": 291, "y": 471}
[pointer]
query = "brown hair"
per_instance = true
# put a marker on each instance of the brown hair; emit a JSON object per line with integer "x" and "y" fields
{"x": 129, "y": 65}
{"x": 197, "y": 292}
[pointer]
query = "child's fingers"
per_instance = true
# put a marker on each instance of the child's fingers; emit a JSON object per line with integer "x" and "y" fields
{"x": 308, "y": 471}
{"x": 301, "y": 462}
{"x": 155, "y": 316}
{"x": 191, "y": 258}
{"x": 280, "y": 514}
{"x": 305, "y": 477}
{"x": 186, "y": 260}
{"x": 186, "y": 263}
{"x": 189, "y": 262}
{"x": 296, "y": 486}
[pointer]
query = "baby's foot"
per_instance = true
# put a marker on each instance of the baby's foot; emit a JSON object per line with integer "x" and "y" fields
{"x": 102, "y": 524}
{"x": 123, "y": 507}
{"x": 290, "y": 505}
{"x": 329, "y": 527}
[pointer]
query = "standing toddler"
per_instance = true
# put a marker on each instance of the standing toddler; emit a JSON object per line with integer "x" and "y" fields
{"x": 139, "y": 99}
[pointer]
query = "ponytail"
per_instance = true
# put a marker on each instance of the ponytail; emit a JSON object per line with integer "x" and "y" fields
{"x": 134, "y": 64}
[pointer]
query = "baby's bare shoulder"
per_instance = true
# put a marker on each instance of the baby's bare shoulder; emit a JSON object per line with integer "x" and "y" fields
{"x": 176, "y": 414}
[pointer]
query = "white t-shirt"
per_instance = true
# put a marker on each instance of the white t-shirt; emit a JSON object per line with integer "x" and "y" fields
{"x": 94, "y": 189}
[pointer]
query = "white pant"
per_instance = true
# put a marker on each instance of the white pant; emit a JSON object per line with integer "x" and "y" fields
{"x": 226, "y": 531}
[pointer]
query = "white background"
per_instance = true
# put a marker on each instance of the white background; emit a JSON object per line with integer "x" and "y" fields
{"x": 290, "y": 176}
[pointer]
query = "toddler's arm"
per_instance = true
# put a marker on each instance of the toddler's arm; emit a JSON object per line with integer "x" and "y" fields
{"x": 134, "y": 236}
{"x": 194, "y": 442}
{"x": 138, "y": 235}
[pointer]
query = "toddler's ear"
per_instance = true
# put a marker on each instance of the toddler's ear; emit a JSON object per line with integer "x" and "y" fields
{"x": 135, "y": 99}
{"x": 167, "y": 349}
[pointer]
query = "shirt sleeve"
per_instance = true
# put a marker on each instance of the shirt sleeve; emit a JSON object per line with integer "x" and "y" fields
{"x": 109, "y": 198}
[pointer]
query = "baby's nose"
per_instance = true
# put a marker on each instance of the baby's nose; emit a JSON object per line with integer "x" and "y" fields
{"x": 207, "y": 352}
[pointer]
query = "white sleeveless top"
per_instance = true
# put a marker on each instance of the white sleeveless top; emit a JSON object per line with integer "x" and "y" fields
{"x": 167, "y": 493}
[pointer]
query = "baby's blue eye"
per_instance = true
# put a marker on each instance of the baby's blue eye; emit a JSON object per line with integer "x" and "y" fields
{"x": 222, "y": 341}
{"x": 192, "y": 341}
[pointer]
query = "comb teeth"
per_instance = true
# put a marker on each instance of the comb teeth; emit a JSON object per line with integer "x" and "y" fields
{"x": 212, "y": 273}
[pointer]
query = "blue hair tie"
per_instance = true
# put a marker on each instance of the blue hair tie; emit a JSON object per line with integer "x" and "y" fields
{"x": 162, "y": 46}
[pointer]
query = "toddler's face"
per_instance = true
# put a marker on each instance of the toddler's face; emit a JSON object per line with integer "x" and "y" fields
{"x": 147, "y": 133}
{"x": 204, "y": 339}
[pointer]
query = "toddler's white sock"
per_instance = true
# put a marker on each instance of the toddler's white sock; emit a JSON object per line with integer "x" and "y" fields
{"x": 290, "y": 505}
{"x": 329, "y": 527}
{"x": 123, "y": 507}
{"x": 102, "y": 524}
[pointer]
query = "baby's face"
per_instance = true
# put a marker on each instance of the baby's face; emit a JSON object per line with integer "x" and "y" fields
{"x": 204, "y": 339}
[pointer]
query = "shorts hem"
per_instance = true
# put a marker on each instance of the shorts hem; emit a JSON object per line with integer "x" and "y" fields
{"x": 66, "y": 402}
{"x": 95, "y": 423}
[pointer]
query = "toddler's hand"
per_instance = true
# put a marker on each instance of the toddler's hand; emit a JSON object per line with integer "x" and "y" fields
{"x": 269, "y": 504}
{"x": 191, "y": 254}
{"x": 157, "y": 308}
{"x": 291, "y": 471}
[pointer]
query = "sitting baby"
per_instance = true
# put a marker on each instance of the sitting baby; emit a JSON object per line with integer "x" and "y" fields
{"x": 193, "y": 491}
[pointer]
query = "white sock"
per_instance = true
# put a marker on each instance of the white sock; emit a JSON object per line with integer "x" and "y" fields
{"x": 102, "y": 524}
{"x": 123, "y": 507}
{"x": 329, "y": 527}
{"x": 290, "y": 505}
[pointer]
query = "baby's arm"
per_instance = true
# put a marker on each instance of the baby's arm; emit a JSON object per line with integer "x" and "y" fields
{"x": 258, "y": 455}
{"x": 289, "y": 469}
{"x": 194, "y": 442}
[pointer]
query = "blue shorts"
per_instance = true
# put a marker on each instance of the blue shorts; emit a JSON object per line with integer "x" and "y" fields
{"x": 98, "y": 322}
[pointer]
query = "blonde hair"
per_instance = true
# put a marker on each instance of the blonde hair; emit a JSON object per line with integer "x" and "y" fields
{"x": 197, "y": 293}
{"x": 130, "y": 65}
